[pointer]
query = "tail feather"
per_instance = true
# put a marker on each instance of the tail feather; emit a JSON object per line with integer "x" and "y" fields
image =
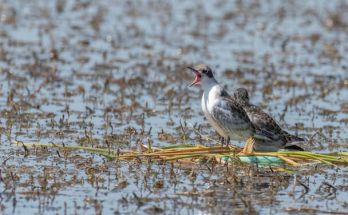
{"x": 293, "y": 148}
{"x": 293, "y": 141}
{"x": 292, "y": 138}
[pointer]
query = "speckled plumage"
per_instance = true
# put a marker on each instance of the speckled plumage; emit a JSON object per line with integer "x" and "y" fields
{"x": 264, "y": 122}
{"x": 225, "y": 114}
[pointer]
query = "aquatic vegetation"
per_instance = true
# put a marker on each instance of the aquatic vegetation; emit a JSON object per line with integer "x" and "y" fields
{"x": 103, "y": 84}
{"x": 189, "y": 153}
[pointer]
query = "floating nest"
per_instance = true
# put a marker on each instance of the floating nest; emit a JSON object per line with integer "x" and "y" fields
{"x": 196, "y": 153}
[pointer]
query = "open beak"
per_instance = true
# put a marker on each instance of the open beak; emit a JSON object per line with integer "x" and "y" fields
{"x": 197, "y": 77}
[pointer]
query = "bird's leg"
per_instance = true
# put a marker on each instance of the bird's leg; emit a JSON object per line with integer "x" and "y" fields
{"x": 222, "y": 140}
{"x": 228, "y": 141}
{"x": 249, "y": 146}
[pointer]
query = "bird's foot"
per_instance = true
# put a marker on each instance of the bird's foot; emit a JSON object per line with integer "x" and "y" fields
{"x": 249, "y": 146}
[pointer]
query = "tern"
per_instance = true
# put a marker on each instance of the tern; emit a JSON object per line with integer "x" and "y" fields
{"x": 223, "y": 112}
{"x": 227, "y": 116}
{"x": 264, "y": 122}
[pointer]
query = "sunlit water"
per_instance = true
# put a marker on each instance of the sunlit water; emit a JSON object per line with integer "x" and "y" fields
{"x": 115, "y": 71}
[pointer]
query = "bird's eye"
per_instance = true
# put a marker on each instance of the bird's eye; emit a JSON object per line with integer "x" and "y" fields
{"x": 205, "y": 71}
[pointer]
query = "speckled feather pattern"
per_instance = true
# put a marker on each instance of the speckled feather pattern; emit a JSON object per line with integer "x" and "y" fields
{"x": 262, "y": 121}
{"x": 231, "y": 118}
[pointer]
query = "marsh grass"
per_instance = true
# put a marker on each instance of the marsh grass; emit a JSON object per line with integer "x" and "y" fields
{"x": 194, "y": 153}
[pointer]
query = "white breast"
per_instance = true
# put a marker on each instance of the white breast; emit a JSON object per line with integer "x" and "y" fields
{"x": 207, "y": 102}
{"x": 233, "y": 125}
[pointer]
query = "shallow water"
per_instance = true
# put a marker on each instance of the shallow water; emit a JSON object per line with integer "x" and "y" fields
{"x": 112, "y": 74}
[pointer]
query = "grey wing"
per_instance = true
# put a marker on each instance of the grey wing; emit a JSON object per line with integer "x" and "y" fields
{"x": 231, "y": 116}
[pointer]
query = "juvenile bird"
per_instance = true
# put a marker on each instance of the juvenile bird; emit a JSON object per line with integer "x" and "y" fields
{"x": 264, "y": 122}
{"x": 225, "y": 114}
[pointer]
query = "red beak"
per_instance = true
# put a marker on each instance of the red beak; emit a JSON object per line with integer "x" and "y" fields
{"x": 197, "y": 77}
